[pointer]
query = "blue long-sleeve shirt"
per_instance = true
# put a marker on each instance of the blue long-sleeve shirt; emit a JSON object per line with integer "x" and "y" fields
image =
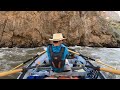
{"x": 57, "y": 49}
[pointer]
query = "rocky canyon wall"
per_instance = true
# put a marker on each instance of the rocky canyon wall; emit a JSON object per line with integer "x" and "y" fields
{"x": 34, "y": 28}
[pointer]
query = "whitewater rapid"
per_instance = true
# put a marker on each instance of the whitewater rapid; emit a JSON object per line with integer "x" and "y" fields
{"x": 11, "y": 57}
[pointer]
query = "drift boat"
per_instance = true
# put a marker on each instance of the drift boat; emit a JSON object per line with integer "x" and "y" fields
{"x": 80, "y": 69}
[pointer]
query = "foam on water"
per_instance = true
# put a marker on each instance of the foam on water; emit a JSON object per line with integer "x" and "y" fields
{"x": 1, "y": 55}
{"x": 11, "y": 57}
{"x": 110, "y": 56}
{"x": 6, "y": 65}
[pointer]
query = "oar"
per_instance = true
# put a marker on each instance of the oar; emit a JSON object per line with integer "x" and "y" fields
{"x": 110, "y": 70}
{"x": 22, "y": 70}
{"x": 10, "y": 72}
{"x": 97, "y": 68}
{"x": 14, "y": 71}
{"x": 105, "y": 69}
{"x": 98, "y": 61}
{"x": 38, "y": 54}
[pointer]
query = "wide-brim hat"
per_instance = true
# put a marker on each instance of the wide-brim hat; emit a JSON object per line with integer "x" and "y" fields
{"x": 57, "y": 37}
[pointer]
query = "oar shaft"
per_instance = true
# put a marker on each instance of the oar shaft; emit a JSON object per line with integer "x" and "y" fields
{"x": 80, "y": 54}
{"x": 98, "y": 61}
{"x": 10, "y": 72}
{"x": 73, "y": 52}
{"x": 17, "y": 66}
{"x": 34, "y": 57}
{"x": 28, "y": 60}
{"x": 110, "y": 70}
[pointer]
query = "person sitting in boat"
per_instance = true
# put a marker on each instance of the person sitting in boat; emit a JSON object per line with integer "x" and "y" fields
{"x": 57, "y": 53}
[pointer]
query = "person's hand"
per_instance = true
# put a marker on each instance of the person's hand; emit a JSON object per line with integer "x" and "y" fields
{"x": 24, "y": 69}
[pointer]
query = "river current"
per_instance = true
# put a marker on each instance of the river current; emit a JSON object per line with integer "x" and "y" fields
{"x": 11, "y": 57}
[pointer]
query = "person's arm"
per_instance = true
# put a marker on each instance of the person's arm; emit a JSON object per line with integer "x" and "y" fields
{"x": 47, "y": 59}
{"x": 41, "y": 59}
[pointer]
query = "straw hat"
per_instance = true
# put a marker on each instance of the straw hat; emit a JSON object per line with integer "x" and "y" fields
{"x": 57, "y": 37}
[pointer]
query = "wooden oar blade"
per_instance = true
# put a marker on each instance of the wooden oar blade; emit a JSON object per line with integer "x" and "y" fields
{"x": 10, "y": 72}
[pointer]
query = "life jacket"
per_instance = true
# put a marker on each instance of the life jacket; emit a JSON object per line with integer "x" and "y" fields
{"x": 56, "y": 58}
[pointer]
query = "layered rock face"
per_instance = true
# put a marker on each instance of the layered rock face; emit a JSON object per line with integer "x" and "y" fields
{"x": 34, "y": 28}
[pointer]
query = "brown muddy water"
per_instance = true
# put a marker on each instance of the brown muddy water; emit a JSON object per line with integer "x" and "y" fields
{"x": 11, "y": 57}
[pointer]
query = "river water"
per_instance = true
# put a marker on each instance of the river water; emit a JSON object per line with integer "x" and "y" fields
{"x": 11, "y": 57}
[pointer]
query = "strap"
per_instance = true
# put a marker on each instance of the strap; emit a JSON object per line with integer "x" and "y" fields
{"x": 60, "y": 53}
{"x": 50, "y": 50}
